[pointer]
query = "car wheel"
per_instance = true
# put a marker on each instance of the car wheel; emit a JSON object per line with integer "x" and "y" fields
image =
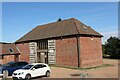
{"x": 28, "y": 77}
{"x": 48, "y": 74}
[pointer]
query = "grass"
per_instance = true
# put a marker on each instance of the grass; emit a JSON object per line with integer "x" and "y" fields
{"x": 89, "y": 68}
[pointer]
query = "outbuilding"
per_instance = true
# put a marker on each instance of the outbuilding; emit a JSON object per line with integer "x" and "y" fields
{"x": 65, "y": 43}
{"x": 8, "y": 52}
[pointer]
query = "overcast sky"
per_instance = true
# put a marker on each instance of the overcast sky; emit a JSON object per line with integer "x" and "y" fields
{"x": 21, "y": 17}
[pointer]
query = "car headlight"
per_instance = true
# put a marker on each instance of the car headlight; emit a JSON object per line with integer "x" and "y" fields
{"x": 21, "y": 73}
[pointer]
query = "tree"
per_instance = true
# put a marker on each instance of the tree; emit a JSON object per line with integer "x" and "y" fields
{"x": 112, "y": 47}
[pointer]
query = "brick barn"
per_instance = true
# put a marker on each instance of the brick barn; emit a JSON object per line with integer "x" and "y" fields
{"x": 8, "y": 52}
{"x": 64, "y": 43}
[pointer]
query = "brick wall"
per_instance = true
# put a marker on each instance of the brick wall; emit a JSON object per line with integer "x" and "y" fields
{"x": 90, "y": 51}
{"x": 66, "y": 52}
{"x": 24, "y": 52}
{"x": 8, "y": 58}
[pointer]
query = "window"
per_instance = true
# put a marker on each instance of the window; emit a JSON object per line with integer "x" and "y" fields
{"x": 44, "y": 66}
{"x": 28, "y": 66}
{"x": 10, "y": 50}
{"x": 42, "y": 45}
{"x": 21, "y": 63}
{"x": 14, "y": 65}
{"x": 39, "y": 66}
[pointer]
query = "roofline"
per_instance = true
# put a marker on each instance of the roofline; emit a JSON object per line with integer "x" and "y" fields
{"x": 10, "y": 54}
{"x": 59, "y": 37}
{"x": 53, "y": 37}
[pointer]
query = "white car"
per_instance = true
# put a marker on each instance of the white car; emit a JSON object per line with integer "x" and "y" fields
{"x": 32, "y": 70}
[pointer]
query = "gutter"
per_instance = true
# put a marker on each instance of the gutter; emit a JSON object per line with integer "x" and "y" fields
{"x": 10, "y": 54}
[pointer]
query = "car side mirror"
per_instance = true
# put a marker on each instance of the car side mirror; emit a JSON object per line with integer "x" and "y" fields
{"x": 33, "y": 69}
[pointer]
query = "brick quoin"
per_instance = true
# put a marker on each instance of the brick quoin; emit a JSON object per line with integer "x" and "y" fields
{"x": 24, "y": 52}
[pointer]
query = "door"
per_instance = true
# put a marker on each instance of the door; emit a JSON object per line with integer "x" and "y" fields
{"x": 41, "y": 57}
{"x": 38, "y": 70}
{"x": 38, "y": 57}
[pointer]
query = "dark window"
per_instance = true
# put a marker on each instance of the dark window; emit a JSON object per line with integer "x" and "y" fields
{"x": 39, "y": 66}
{"x": 27, "y": 66}
{"x": 21, "y": 63}
{"x": 10, "y": 50}
{"x": 24, "y": 63}
{"x": 18, "y": 64}
{"x": 42, "y": 45}
{"x": 44, "y": 66}
{"x": 13, "y": 65}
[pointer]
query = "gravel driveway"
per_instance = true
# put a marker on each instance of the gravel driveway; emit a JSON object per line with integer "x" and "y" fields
{"x": 103, "y": 72}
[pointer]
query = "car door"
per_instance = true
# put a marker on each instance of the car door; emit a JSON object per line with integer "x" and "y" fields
{"x": 12, "y": 68}
{"x": 34, "y": 71}
{"x": 43, "y": 69}
{"x": 38, "y": 70}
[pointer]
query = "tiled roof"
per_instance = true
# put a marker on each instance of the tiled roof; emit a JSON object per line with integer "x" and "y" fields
{"x": 57, "y": 29}
{"x": 4, "y": 48}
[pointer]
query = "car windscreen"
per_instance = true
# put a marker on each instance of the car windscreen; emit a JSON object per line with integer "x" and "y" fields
{"x": 27, "y": 66}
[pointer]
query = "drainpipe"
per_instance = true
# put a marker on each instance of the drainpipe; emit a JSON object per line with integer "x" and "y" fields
{"x": 78, "y": 50}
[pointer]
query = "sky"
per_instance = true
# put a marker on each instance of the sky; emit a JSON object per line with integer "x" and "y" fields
{"x": 18, "y": 18}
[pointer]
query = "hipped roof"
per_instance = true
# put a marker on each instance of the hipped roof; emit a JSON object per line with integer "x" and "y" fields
{"x": 67, "y": 27}
{"x": 4, "y": 49}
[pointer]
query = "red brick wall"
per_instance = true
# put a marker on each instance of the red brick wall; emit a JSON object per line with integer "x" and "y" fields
{"x": 66, "y": 52}
{"x": 7, "y": 59}
{"x": 90, "y": 51}
{"x": 24, "y": 52}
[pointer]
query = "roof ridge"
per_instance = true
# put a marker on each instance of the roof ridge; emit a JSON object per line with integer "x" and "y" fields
{"x": 54, "y": 22}
{"x": 75, "y": 25}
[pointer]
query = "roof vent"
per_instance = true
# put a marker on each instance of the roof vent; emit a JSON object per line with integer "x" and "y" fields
{"x": 10, "y": 50}
{"x": 85, "y": 27}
